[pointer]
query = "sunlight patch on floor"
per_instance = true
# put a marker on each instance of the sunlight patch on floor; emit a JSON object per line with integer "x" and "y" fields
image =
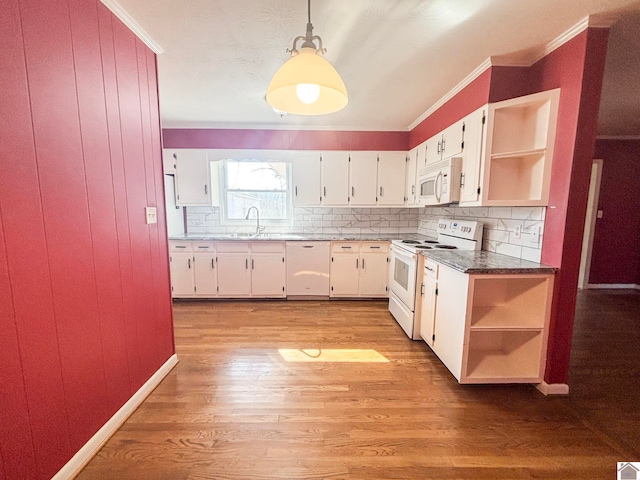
{"x": 356, "y": 355}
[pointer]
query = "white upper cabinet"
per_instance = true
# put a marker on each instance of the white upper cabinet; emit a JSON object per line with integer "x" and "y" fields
{"x": 519, "y": 150}
{"x": 335, "y": 178}
{"x": 411, "y": 181}
{"x": 448, "y": 143}
{"x": 306, "y": 180}
{"x": 363, "y": 175}
{"x": 192, "y": 177}
{"x": 391, "y": 178}
{"x": 474, "y": 138}
{"x": 169, "y": 157}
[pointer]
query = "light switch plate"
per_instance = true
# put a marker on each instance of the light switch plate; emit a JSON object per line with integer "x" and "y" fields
{"x": 151, "y": 215}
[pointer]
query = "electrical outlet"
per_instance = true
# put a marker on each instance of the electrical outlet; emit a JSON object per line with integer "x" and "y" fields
{"x": 151, "y": 215}
{"x": 517, "y": 232}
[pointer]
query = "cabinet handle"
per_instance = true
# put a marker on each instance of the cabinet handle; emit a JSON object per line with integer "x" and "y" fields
{"x": 438, "y": 150}
{"x": 246, "y": 264}
{"x": 381, "y": 194}
{"x": 422, "y": 290}
{"x": 324, "y": 189}
{"x": 363, "y": 263}
{"x": 296, "y": 190}
{"x": 346, "y": 247}
{"x": 375, "y": 247}
{"x": 357, "y": 260}
{"x": 413, "y": 189}
{"x": 353, "y": 191}
{"x": 181, "y": 246}
{"x": 212, "y": 267}
{"x": 443, "y": 142}
{"x": 205, "y": 189}
{"x": 307, "y": 246}
{"x": 189, "y": 262}
{"x": 252, "y": 265}
{"x": 462, "y": 179}
{"x": 428, "y": 268}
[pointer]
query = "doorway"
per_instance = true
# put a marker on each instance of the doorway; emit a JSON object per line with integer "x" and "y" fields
{"x": 590, "y": 223}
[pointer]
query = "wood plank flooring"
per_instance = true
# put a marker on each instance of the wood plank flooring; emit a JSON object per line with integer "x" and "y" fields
{"x": 234, "y": 408}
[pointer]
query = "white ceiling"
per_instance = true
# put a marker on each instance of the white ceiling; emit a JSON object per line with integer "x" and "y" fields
{"x": 397, "y": 57}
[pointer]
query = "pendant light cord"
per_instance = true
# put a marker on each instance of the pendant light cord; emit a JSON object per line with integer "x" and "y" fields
{"x": 308, "y": 11}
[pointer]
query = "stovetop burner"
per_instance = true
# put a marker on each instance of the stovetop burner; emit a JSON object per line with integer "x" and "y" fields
{"x": 411, "y": 242}
{"x": 446, "y": 247}
{"x": 424, "y": 247}
{"x": 431, "y": 241}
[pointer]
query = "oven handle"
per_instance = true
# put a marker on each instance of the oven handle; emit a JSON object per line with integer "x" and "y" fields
{"x": 438, "y": 189}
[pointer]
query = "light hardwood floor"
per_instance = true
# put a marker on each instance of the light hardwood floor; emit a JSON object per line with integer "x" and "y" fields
{"x": 235, "y": 408}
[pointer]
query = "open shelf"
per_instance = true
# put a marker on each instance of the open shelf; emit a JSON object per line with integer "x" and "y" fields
{"x": 512, "y": 356}
{"x": 523, "y": 126}
{"x": 517, "y": 178}
{"x": 509, "y": 302}
{"x": 519, "y": 153}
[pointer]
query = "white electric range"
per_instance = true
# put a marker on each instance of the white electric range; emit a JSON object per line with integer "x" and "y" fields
{"x": 403, "y": 283}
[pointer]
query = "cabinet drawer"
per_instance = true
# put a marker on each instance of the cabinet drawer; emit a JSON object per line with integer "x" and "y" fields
{"x": 431, "y": 268}
{"x": 345, "y": 247}
{"x": 204, "y": 247}
{"x": 267, "y": 247}
{"x": 232, "y": 247}
{"x": 178, "y": 246}
{"x": 374, "y": 247}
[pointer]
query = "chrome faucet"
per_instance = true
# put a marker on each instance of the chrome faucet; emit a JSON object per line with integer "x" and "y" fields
{"x": 258, "y": 228}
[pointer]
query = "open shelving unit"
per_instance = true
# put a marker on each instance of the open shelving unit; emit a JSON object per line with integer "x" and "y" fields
{"x": 507, "y": 327}
{"x": 520, "y": 139}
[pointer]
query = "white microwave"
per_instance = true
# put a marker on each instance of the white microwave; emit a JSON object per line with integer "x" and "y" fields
{"x": 439, "y": 183}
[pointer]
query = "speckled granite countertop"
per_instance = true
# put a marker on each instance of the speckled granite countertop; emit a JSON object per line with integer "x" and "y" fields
{"x": 296, "y": 236}
{"x": 480, "y": 261}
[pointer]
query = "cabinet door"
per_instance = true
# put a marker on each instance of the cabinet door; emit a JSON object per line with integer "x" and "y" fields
{"x": 472, "y": 157}
{"x": 335, "y": 178}
{"x": 234, "y": 275}
{"x": 363, "y": 178}
{"x": 411, "y": 178}
{"x": 391, "y": 178}
{"x": 451, "y": 311}
{"x": 345, "y": 268}
{"x": 428, "y": 310}
{"x": 421, "y": 156}
{"x": 452, "y": 138}
{"x": 268, "y": 274}
{"x": 205, "y": 275}
{"x": 433, "y": 149}
{"x": 306, "y": 180}
{"x": 192, "y": 178}
{"x": 181, "y": 269}
{"x": 374, "y": 274}
{"x": 169, "y": 157}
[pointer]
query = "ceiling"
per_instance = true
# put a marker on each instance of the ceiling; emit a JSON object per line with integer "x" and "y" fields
{"x": 397, "y": 58}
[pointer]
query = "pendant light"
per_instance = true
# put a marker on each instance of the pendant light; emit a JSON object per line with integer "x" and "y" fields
{"x": 307, "y": 84}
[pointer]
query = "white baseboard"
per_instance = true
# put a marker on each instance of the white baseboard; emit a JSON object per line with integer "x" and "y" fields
{"x": 614, "y": 286}
{"x": 95, "y": 443}
{"x": 553, "y": 388}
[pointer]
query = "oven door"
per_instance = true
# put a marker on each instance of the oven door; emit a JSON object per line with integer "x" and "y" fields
{"x": 402, "y": 276}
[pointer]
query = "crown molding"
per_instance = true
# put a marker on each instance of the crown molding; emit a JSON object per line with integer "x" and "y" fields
{"x": 452, "y": 93}
{"x": 522, "y": 59}
{"x": 119, "y": 11}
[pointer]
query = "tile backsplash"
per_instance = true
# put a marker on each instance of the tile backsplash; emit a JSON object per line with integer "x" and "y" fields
{"x": 499, "y": 227}
{"x": 499, "y": 224}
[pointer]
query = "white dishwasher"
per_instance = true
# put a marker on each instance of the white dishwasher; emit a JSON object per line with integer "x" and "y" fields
{"x": 308, "y": 268}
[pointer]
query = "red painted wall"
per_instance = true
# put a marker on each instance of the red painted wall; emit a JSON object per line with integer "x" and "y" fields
{"x": 616, "y": 243}
{"x": 284, "y": 139}
{"x": 84, "y": 286}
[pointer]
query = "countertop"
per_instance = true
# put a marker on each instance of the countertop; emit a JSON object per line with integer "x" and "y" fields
{"x": 480, "y": 261}
{"x": 364, "y": 237}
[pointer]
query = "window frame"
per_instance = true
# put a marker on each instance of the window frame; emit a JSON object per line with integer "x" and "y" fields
{"x": 253, "y": 156}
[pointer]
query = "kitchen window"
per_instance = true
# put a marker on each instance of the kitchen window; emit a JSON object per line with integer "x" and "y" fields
{"x": 264, "y": 183}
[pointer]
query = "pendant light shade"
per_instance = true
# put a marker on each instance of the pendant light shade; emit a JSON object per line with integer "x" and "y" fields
{"x": 307, "y": 84}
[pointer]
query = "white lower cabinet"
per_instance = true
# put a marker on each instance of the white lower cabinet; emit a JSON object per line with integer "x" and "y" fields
{"x": 428, "y": 293}
{"x": 489, "y": 328}
{"x": 251, "y": 269}
{"x": 181, "y": 268}
{"x": 204, "y": 271}
{"x": 359, "y": 269}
